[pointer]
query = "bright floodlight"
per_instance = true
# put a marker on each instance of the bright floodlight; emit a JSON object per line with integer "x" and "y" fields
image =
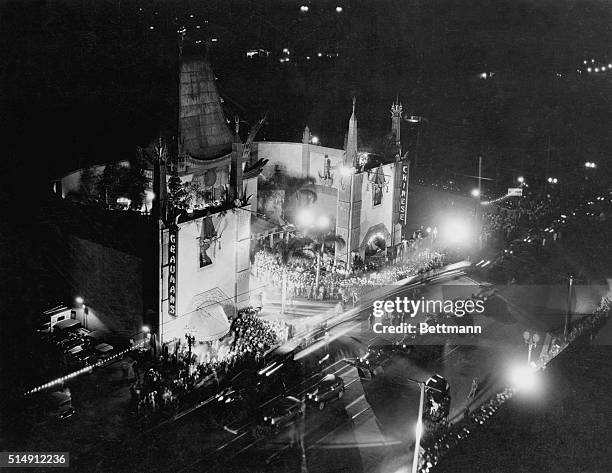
{"x": 305, "y": 218}
{"x": 78, "y": 300}
{"x": 521, "y": 179}
{"x": 339, "y": 9}
{"x": 146, "y": 329}
{"x": 323, "y": 222}
{"x": 314, "y": 140}
{"x": 475, "y": 193}
{"x": 345, "y": 171}
{"x": 456, "y": 231}
{"x": 589, "y": 69}
{"x": 523, "y": 378}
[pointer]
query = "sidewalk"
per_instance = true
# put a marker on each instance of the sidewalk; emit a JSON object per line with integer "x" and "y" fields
{"x": 299, "y": 311}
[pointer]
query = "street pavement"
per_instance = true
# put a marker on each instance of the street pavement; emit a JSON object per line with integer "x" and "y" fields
{"x": 371, "y": 429}
{"x": 298, "y": 311}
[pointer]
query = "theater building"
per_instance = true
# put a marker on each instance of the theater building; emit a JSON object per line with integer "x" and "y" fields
{"x": 358, "y": 191}
{"x": 181, "y": 272}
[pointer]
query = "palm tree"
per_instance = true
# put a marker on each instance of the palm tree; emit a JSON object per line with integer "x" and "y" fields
{"x": 288, "y": 251}
{"x": 321, "y": 243}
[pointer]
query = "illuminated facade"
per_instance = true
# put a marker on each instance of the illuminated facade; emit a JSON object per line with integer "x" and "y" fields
{"x": 359, "y": 192}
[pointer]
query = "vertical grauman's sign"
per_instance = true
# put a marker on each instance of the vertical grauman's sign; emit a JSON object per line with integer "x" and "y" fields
{"x": 172, "y": 268}
{"x": 403, "y": 197}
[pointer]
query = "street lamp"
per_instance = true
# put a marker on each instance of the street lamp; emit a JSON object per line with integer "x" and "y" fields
{"x": 190, "y": 341}
{"x": 79, "y": 300}
{"x": 419, "y": 424}
{"x": 306, "y": 219}
{"x": 532, "y": 340}
{"x": 323, "y": 224}
{"x": 520, "y": 179}
{"x": 475, "y": 193}
{"x": 314, "y": 140}
{"x": 338, "y": 9}
{"x": 419, "y": 429}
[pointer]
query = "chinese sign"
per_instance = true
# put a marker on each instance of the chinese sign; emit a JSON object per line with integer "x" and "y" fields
{"x": 172, "y": 266}
{"x": 403, "y": 197}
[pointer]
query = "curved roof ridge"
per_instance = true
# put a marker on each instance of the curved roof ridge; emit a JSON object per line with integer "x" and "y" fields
{"x": 204, "y": 133}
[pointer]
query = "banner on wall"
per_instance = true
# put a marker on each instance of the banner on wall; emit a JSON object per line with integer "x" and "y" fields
{"x": 172, "y": 269}
{"x": 403, "y": 196}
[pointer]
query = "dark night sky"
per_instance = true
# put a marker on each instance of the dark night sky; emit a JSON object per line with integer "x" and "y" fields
{"x": 86, "y": 81}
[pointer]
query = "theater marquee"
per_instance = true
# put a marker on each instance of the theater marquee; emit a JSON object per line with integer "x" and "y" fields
{"x": 172, "y": 269}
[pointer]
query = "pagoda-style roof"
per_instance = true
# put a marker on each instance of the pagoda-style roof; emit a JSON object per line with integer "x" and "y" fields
{"x": 204, "y": 133}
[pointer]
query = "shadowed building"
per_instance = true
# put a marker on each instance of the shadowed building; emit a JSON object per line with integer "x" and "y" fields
{"x": 194, "y": 266}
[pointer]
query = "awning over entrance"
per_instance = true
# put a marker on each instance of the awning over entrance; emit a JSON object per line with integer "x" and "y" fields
{"x": 208, "y": 323}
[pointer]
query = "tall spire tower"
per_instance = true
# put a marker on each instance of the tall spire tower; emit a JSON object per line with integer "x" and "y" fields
{"x": 396, "y": 127}
{"x": 350, "y": 157}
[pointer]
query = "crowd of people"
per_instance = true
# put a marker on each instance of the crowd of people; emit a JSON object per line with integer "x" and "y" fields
{"x": 438, "y": 443}
{"x": 175, "y": 377}
{"x": 300, "y": 279}
{"x": 508, "y": 219}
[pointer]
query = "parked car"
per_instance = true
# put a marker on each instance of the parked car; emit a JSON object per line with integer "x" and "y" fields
{"x": 82, "y": 355}
{"x": 328, "y": 388}
{"x": 66, "y": 327}
{"x": 103, "y": 351}
{"x": 284, "y": 412}
{"x": 52, "y": 405}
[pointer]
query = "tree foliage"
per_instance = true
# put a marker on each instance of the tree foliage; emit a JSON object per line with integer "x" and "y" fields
{"x": 122, "y": 181}
{"x": 295, "y": 193}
